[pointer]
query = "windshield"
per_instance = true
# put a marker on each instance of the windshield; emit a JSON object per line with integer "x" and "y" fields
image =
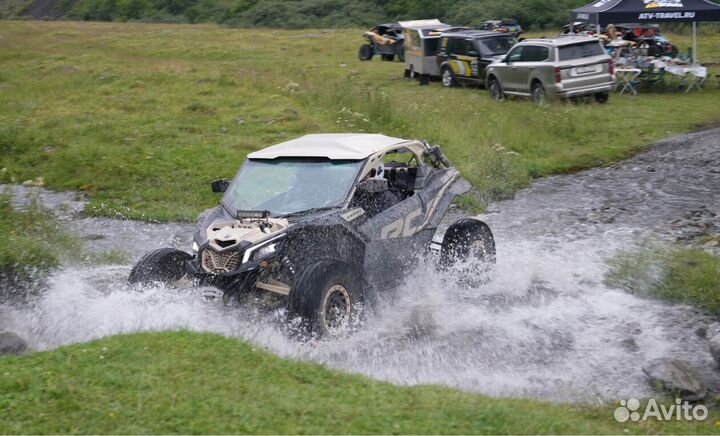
{"x": 495, "y": 46}
{"x": 288, "y": 185}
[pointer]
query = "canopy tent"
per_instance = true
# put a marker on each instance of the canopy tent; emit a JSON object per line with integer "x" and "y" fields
{"x": 604, "y": 12}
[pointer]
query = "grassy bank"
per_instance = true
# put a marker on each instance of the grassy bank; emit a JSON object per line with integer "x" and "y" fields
{"x": 31, "y": 242}
{"x": 678, "y": 274}
{"x": 193, "y": 383}
{"x": 141, "y": 117}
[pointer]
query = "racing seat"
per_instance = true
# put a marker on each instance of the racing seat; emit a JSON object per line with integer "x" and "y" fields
{"x": 401, "y": 180}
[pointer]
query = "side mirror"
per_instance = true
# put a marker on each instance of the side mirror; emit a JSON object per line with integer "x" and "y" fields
{"x": 373, "y": 185}
{"x": 219, "y": 185}
{"x": 473, "y": 53}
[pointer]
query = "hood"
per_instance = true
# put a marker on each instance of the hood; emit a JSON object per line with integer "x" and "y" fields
{"x": 225, "y": 234}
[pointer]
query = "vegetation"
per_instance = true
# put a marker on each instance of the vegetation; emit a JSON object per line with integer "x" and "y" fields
{"x": 160, "y": 383}
{"x": 31, "y": 241}
{"x": 679, "y": 275}
{"x": 296, "y": 13}
{"x": 142, "y": 117}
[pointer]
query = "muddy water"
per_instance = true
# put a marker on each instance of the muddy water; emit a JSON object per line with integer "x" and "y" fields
{"x": 544, "y": 326}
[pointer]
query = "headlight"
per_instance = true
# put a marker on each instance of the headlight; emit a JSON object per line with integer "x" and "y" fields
{"x": 195, "y": 248}
{"x": 265, "y": 251}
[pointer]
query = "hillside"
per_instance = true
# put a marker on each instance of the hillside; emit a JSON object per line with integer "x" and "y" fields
{"x": 293, "y": 13}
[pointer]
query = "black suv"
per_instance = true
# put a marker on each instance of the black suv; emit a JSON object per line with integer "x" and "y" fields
{"x": 464, "y": 55}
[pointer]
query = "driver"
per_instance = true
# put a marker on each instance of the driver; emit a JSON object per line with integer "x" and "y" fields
{"x": 374, "y": 202}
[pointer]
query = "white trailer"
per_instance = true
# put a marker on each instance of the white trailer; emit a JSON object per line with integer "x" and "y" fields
{"x": 421, "y": 46}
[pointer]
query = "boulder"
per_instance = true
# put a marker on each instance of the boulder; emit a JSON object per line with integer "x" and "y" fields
{"x": 10, "y": 344}
{"x": 676, "y": 376}
{"x": 715, "y": 348}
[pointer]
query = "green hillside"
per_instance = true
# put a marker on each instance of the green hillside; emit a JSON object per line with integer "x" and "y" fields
{"x": 294, "y": 13}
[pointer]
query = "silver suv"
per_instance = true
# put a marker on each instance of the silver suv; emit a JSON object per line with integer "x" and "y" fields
{"x": 565, "y": 67}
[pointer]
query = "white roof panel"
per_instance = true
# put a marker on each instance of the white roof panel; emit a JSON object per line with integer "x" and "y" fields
{"x": 335, "y": 146}
{"x": 422, "y": 23}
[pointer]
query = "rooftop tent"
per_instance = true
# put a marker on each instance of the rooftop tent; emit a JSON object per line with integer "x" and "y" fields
{"x": 604, "y": 12}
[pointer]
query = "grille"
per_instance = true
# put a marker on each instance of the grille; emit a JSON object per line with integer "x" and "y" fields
{"x": 221, "y": 262}
{"x": 225, "y": 244}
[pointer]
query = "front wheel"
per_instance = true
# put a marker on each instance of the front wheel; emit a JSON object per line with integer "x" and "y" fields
{"x": 325, "y": 296}
{"x": 165, "y": 265}
{"x": 495, "y": 91}
{"x": 365, "y": 53}
{"x": 448, "y": 78}
{"x": 602, "y": 97}
{"x": 538, "y": 94}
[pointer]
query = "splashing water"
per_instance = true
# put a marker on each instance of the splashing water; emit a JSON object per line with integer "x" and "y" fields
{"x": 544, "y": 325}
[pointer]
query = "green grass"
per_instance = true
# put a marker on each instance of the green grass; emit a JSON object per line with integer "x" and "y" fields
{"x": 31, "y": 241}
{"x": 142, "y": 117}
{"x": 679, "y": 275}
{"x": 196, "y": 383}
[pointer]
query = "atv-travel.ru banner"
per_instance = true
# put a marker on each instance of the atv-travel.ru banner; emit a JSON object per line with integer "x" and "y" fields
{"x": 666, "y": 15}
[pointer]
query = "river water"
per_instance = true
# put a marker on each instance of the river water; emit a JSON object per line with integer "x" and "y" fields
{"x": 544, "y": 326}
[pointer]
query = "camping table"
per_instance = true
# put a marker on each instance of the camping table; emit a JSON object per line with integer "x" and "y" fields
{"x": 627, "y": 78}
{"x": 696, "y": 77}
{"x": 689, "y": 77}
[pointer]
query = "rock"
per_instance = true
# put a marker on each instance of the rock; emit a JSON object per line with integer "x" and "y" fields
{"x": 676, "y": 376}
{"x": 10, "y": 343}
{"x": 715, "y": 348}
{"x": 701, "y": 332}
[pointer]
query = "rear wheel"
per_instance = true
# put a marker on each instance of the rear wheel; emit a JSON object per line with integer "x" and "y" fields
{"x": 602, "y": 97}
{"x": 495, "y": 90}
{"x": 538, "y": 94}
{"x": 469, "y": 245}
{"x": 448, "y": 78}
{"x": 365, "y": 53}
{"x": 165, "y": 265}
{"x": 324, "y": 297}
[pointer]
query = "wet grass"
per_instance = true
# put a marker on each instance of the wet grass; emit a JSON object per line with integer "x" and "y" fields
{"x": 31, "y": 242}
{"x": 678, "y": 274}
{"x": 191, "y": 383}
{"x": 142, "y": 117}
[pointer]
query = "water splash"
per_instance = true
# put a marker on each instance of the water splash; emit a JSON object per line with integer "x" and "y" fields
{"x": 544, "y": 326}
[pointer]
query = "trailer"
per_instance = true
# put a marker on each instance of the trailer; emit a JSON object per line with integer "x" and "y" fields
{"x": 421, "y": 46}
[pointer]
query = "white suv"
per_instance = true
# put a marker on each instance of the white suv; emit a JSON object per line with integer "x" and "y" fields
{"x": 564, "y": 67}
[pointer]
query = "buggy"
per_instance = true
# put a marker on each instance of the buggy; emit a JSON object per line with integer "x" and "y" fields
{"x": 503, "y": 26}
{"x": 385, "y": 40}
{"x": 324, "y": 223}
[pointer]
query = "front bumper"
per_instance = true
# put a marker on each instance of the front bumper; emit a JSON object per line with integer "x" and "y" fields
{"x": 238, "y": 281}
